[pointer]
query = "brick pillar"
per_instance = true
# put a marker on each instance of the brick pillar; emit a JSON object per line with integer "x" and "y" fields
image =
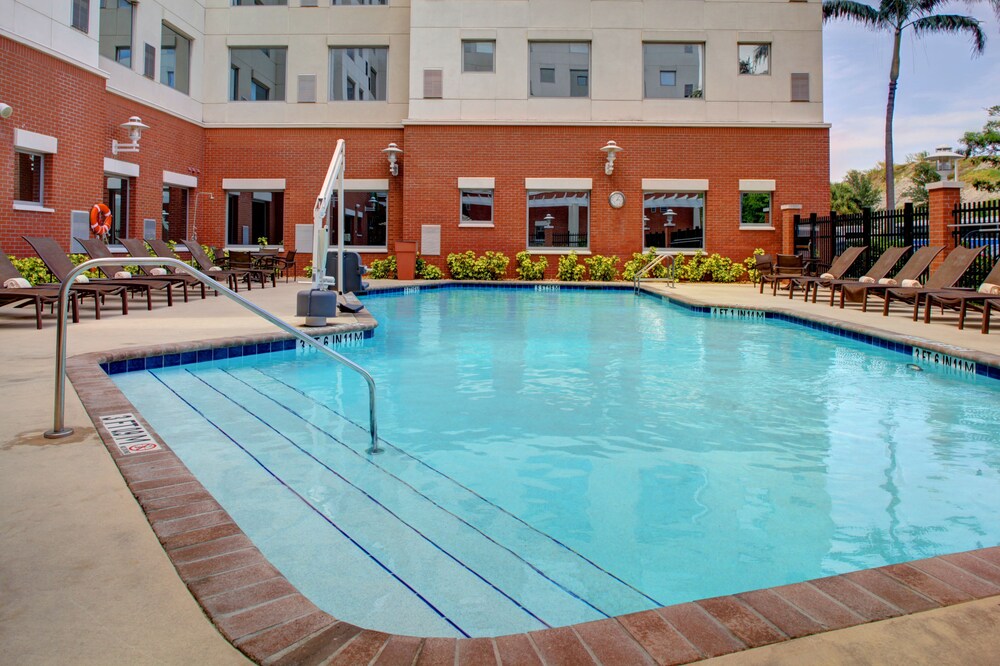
{"x": 943, "y": 196}
{"x": 788, "y": 213}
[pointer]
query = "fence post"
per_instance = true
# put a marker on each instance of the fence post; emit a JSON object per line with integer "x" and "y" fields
{"x": 788, "y": 214}
{"x": 943, "y": 197}
{"x": 866, "y": 226}
{"x": 908, "y": 224}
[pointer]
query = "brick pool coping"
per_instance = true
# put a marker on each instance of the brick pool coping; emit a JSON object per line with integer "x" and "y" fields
{"x": 266, "y": 618}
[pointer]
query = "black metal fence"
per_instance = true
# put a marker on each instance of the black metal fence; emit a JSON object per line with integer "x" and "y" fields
{"x": 823, "y": 238}
{"x": 978, "y": 225}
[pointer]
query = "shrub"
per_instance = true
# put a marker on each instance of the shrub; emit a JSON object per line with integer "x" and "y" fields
{"x": 528, "y": 269}
{"x": 382, "y": 269}
{"x": 78, "y": 259}
{"x": 715, "y": 268}
{"x": 466, "y": 266}
{"x": 569, "y": 270}
{"x": 601, "y": 268}
{"x": 751, "y": 265}
{"x": 638, "y": 260}
{"x": 308, "y": 270}
{"x": 32, "y": 269}
{"x": 460, "y": 265}
{"x": 427, "y": 271}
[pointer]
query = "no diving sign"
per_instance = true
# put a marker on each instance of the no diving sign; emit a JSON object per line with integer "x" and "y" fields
{"x": 129, "y": 435}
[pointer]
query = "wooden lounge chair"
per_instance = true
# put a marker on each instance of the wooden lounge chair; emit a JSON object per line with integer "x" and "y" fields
{"x": 963, "y": 299}
{"x": 137, "y": 248}
{"x": 885, "y": 263}
{"x": 786, "y": 267}
{"x": 23, "y": 296}
{"x": 235, "y": 274}
{"x": 97, "y": 249}
{"x": 162, "y": 249}
{"x": 838, "y": 267}
{"x": 911, "y": 270}
{"x": 60, "y": 266}
{"x": 946, "y": 276}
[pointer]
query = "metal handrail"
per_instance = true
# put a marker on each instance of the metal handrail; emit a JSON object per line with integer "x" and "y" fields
{"x": 671, "y": 270}
{"x": 59, "y": 428}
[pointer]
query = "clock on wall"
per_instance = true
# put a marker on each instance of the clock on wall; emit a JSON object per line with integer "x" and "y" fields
{"x": 616, "y": 199}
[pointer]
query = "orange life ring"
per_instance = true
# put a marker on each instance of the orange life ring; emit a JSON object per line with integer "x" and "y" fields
{"x": 100, "y": 219}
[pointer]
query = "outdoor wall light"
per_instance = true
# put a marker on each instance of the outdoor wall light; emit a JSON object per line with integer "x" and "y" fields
{"x": 611, "y": 150}
{"x": 6, "y": 110}
{"x": 548, "y": 221}
{"x": 670, "y": 217}
{"x": 945, "y": 161}
{"x": 392, "y": 152}
{"x": 134, "y": 126}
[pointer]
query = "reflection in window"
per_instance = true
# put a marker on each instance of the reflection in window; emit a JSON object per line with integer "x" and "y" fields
{"x": 250, "y": 215}
{"x": 673, "y": 71}
{"x": 477, "y": 206}
{"x": 755, "y": 59}
{"x": 175, "y": 60}
{"x": 477, "y": 56}
{"x": 755, "y": 208}
{"x": 673, "y": 219}
{"x": 558, "y": 219}
{"x": 117, "y": 200}
{"x": 30, "y": 177}
{"x": 559, "y": 69}
{"x": 174, "y": 215}
{"x": 365, "y": 219}
{"x": 257, "y": 74}
{"x": 116, "y": 31}
{"x": 358, "y": 73}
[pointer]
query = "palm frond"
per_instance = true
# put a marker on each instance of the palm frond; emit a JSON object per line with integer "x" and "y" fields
{"x": 853, "y": 11}
{"x": 952, "y": 23}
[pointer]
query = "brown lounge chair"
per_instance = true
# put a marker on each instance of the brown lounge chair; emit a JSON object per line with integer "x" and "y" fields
{"x": 838, "y": 267}
{"x": 162, "y": 249}
{"x": 60, "y": 266}
{"x": 962, "y": 299}
{"x": 24, "y": 296}
{"x": 97, "y": 249}
{"x": 911, "y": 270}
{"x": 235, "y": 274}
{"x": 946, "y": 276}
{"x": 786, "y": 267}
{"x": 137, "y": 248}
{"x": 889, "y": 258}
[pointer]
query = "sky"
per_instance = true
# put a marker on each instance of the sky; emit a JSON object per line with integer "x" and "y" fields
{"x": 942, "y": 92}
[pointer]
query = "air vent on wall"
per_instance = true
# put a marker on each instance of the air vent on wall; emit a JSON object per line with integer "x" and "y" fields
{"x": 307, "y": 88}
{"x": 432, "y": 84}
{"x": 149, "y": 70}
{"x": 800, "y": 87}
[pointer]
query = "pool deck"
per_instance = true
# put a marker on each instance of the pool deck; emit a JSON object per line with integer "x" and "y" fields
{"x": 84, "y": 580}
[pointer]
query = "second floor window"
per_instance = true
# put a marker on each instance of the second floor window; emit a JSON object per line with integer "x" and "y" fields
{"x": 175, "y": 60}
{"x": 358, "y": 73}
{"x": 755, "y": 59}
{"x": 559, "y": 69}
{"x": 116, "y": 31}
{"x": 673, "y": 71}
{"x": 257, "y": 74}
{"x": 477, "y": 56}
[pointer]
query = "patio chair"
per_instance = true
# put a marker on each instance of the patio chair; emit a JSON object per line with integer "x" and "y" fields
{"x": 838, "y": 267}
{"x": 59, "y": 264}
{"x": 946, "y": 276}
{"x": 97, "y": 249}
{"x": 234, "y": 275}
{"x": 911, "y": 270}
{"x": 764, "y": 264}
{"x": 244, "y": 263}
{"x": 136, "y": 247}
{"x": 24, "y": 296}
{"x": 986, "y": 296}
{"x": 786, "y": 267}
{"x": 285, "y": 261}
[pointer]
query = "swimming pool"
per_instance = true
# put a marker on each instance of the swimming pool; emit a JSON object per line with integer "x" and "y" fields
{"x": 554, "y": 458}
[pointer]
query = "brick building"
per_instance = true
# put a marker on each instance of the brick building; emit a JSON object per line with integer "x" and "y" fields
{"x": 501, "y": 109}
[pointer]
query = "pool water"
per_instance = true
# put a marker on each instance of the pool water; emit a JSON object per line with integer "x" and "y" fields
{"x": 553, "y": 458}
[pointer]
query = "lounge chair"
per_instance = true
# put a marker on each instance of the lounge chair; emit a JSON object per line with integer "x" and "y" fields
{"x": 889, "y": 258}
{"x": 911, "y": 270}
{"x": 137, "y": 248}
{"x": 60, "y": 266}
{"x": 786, "y": 267}
{"x": 162, "y": 249}
{"x": 838, "y": 267}
{"x": 235, "y": 274}
{"x": 962, "y": 299}
{"x": 946, "y": 276}
{"x": 97, "y": 249}
{"x": 24, "y": 296}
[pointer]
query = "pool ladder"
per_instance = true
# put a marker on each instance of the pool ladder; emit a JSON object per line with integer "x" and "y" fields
{"x": 671, "y": 271}
{"x": 59, "y": 428}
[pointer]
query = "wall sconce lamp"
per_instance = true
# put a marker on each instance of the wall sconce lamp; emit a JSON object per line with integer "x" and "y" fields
{"x": 392, "y": 152}
{"x": 547, "y": 220}
{"x": 611, "y": 150}
{"x": 670, "y": 217}
{"x": 945, "y": 160}
{"x": 134, "y": 126}
{"x": 6, "y": 110}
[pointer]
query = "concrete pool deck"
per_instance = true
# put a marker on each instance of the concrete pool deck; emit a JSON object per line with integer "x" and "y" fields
{"x": 85, "y": 580}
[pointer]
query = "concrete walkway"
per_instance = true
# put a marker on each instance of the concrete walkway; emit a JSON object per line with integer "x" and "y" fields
{"x": 83, "y": 579}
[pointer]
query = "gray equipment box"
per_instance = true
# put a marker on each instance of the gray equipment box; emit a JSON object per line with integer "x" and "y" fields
{"x": 353, "y": 271}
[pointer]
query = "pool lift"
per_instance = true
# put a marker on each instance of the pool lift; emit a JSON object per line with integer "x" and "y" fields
{"x": 320, "y": 300}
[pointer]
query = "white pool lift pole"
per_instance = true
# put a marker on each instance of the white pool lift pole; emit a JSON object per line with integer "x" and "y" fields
{"x": 321, "y": 233}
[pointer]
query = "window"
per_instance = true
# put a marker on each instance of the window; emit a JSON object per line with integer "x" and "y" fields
{"x": 673, "y": 71}
{"x": 673, "y": 220}
{"x": 476, "y": 207}
{"x": 249, "y": 3}
{"x": 175, "y": 60}
{"x": 558, "y": 219}
{"x": 755, "y": 59}
{"x": 365, "y": 219}
{"x": 117, "y": 199}
{"x": 30, "y": 178}
{"x": 251, "y": 215}
{"x": 257, "y": 74}
{"x": 116, "y": 31}
{"x": 477, "y": 56}
{"x": 80, "y": 18}
{"x": 175, "y": 213}
{"x": 359, "y": 77}
{"x": 755, "y": 208}
{"x": 559, "y": 69}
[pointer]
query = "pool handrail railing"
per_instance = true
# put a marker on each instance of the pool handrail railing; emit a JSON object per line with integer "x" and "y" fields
{"x": 671, "y": 270}
{"x": 59, "y": 428}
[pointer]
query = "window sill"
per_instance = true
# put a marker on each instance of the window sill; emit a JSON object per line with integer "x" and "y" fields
{"x": 34, "y": 208}
{"x": 756, "y": 227}
{"x": 557, "y": 250}
{"x": 687, "y": 251}
{"x": 476, "y": 225}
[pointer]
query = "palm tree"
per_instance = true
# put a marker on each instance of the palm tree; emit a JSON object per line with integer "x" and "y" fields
{"x": 895, "y": 16}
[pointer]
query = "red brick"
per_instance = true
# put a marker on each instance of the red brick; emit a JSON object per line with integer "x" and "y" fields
{"x": 659, "y": 638}
{"x": 742, "y": 621}
{"x": 701, "y": 629}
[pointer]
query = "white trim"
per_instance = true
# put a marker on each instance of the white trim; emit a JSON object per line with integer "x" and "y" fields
{"x": 366, "y": 184}
{"x": 756, "y": 227}
{"x": 35, "y": 142}
{"x": 34, "y": 208}
{"x": 476, "y": 225}
{"x": 945, "y": 185}
{"x": 179, "y": 179}
{"x": 559, "y": 250}
{"x": 120, "y": 168}
{"x": 675, "y": 184}
{"x": 259, "y": 184}
{"x": 477, "y": 183}
{"x": 558, "y": 183}
{"x": 758, "y": 185}
{"x": 791, "y": 207}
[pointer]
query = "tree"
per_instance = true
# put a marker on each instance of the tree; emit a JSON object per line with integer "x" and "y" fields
{"x": 984, "y": 149}
{"x": 856, "y": 192}
{"x": 923, "y": 173}
{"x": 895, "y": 16}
